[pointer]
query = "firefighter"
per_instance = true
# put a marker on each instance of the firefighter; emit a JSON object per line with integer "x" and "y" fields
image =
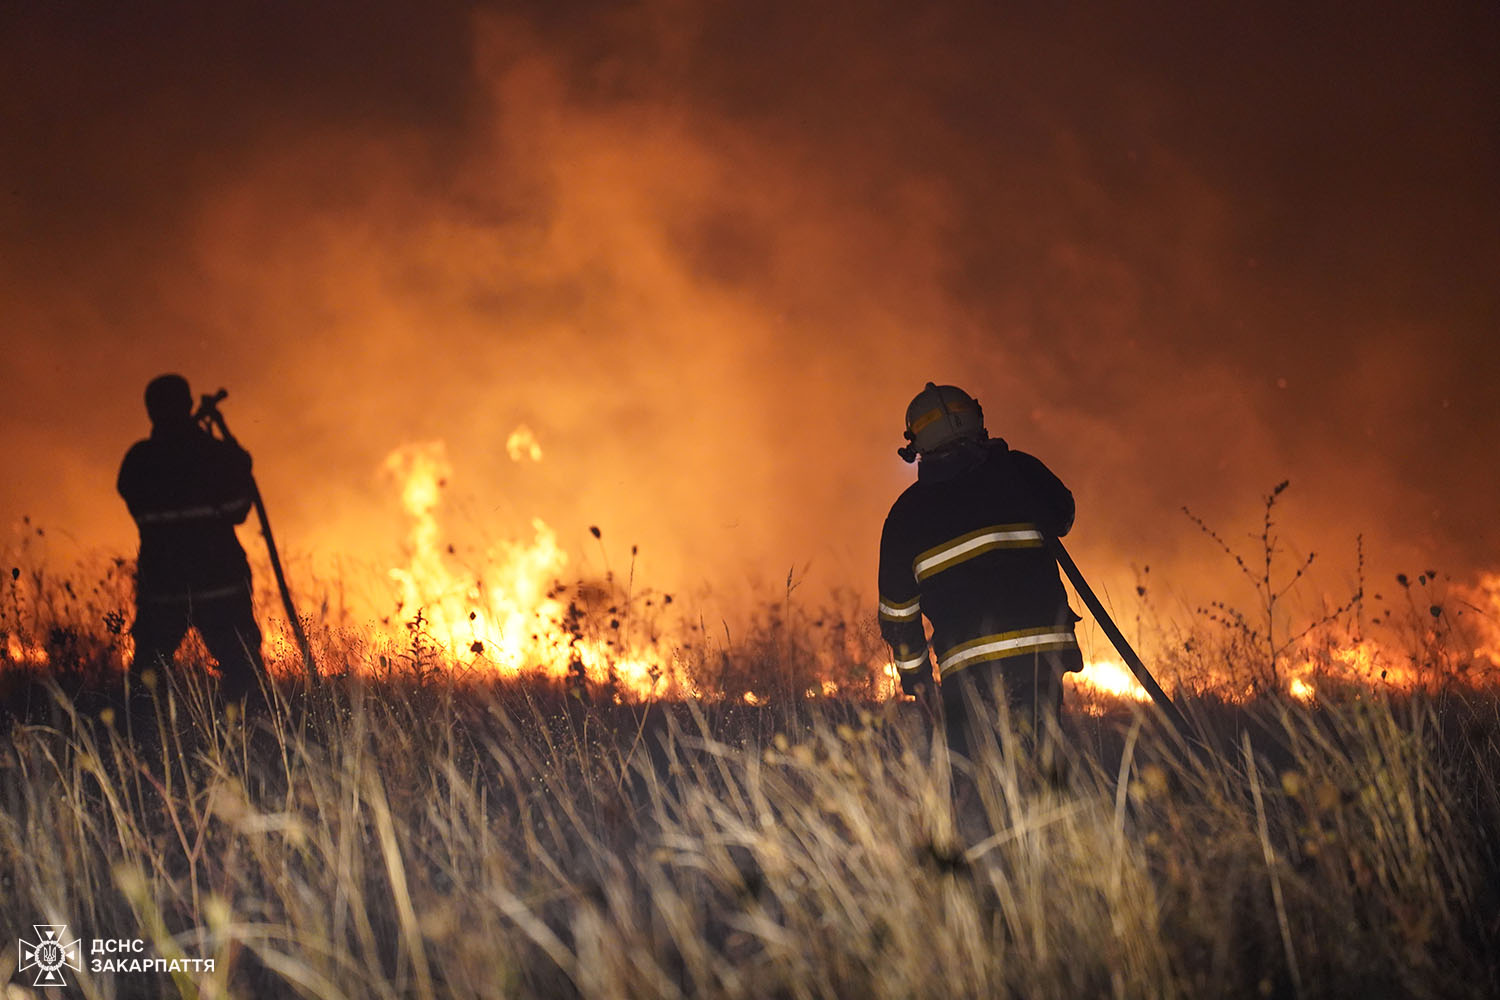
{"x": 186, "y": 491}
{"x": 965, "y": 546}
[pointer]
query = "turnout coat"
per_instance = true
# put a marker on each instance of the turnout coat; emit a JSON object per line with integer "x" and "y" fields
{"x": 965, "y": 546}
{"x": 186, "y": 491}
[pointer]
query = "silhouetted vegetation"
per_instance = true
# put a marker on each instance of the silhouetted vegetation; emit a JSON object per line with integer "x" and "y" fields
{"x": 407, "y": 831}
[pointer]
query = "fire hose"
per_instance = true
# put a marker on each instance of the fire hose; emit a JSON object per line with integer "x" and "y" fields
{"x": 1117, "y": 639}
{"x": 1107, "y": 624}
{"x": 1191, "y": 741}
{"x": 208, "y": 415}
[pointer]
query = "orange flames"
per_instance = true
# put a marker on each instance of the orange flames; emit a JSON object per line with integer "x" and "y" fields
{"x": 1484, "y": 599}
{"x": 25, "y": 653}
{"x": 523, "y": 445}
{"x": 521, "y": 608}
{"x": 1108, "y": 679}
{"x": 1361, "y": 661}
{"x": 519, "y": 613}
{"x": 514, "y": 615}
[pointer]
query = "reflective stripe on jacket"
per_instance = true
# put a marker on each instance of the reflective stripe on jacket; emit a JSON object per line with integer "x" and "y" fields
{"x": 965, "y": 546}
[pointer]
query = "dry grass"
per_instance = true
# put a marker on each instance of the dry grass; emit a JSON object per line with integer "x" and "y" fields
{"x": 422, "y": 834}
{"x": 398, "y": 839}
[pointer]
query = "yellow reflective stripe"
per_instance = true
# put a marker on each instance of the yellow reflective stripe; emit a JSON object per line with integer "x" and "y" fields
{"x": 966, "y": 547}
{"x": 931, "y": 417}
{"x": 916, "y": 662}
{"x": 1004, "y": 644}
{"x": 897, "y": 611}
{"x": 926, "y": 420}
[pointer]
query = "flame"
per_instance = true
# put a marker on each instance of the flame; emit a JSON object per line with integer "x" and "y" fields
{"x": 522, "y": 445}
{"x": 1484, "y": 598}
{"x": 516, "y": 614}
{"x": 510, "y": 618}
{"x": 1455, "y": 639}
{"x": 1364, "y": 662}
{"x": 25, "y": 652}
{"x": 1111, "y": 679}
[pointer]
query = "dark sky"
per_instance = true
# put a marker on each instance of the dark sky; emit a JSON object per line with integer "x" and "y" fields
{"x": 1181, "y": 254}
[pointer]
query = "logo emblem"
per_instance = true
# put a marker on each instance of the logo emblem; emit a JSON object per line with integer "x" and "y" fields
{"x": 50, "y": 954}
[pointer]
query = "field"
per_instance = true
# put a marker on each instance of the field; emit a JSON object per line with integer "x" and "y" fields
{"x": 416, "y": 832}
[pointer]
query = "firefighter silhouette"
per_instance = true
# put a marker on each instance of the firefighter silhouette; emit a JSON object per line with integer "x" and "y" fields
{"x": 965, "y": 546}
{"x": 186, "y": 490}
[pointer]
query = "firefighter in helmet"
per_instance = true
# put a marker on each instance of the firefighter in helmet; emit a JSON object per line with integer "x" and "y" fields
{"x": 966, "y": 546}
{"x": 186, "y": 490}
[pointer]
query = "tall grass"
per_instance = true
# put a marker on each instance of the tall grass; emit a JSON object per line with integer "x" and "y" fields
{"x": 406, "y": 831}
{"x": 397, "y": 838}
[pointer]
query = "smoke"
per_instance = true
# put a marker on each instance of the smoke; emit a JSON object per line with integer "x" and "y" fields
{"x": 707, "y": 256}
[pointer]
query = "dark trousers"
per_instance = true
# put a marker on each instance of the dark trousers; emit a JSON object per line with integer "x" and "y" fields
{"x": 227, "y": 625}
{"x": 1026, "y": 690}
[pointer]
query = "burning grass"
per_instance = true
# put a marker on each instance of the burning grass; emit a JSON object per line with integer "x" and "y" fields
{"x": 526, "y": 787}
{"x": 462, "y": 835}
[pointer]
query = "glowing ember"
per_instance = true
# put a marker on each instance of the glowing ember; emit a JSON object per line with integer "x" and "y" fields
{"x": 522, "y": 445}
